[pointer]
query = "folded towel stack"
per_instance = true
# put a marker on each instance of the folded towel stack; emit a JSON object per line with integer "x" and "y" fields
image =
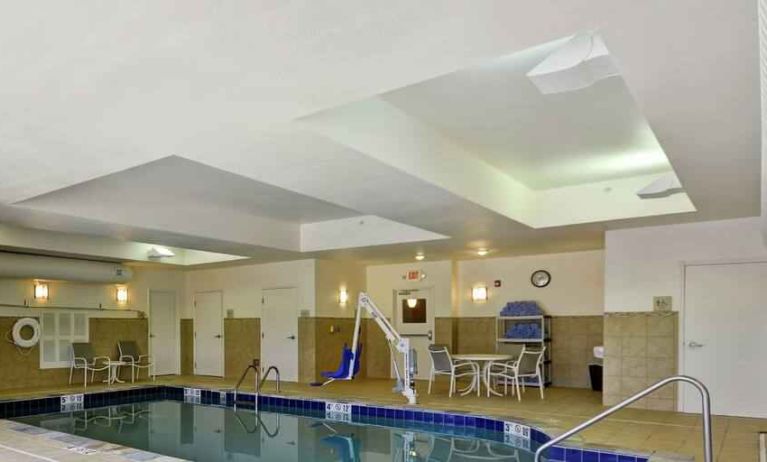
{"x": 522, "y": 308}
{"x": 524, "y": 330}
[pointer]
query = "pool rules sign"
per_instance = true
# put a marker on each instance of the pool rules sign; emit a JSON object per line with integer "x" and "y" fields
{"x": 340, "y": 412}
{"x": 517, "y": 435}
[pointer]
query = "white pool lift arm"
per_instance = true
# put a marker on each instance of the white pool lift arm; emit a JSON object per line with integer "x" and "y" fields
{"x": 405, "y": 381}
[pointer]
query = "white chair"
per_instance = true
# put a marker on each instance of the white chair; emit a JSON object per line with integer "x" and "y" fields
{"x": 83, "y": 358}
{"x": 504, "y": 370}
{"x": 529, "y": 365}
{"x": 443, "y": 364}
{"x": 130, "y": 354}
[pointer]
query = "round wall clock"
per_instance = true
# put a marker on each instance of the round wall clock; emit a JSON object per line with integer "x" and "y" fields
{"x": 540, "y": 278}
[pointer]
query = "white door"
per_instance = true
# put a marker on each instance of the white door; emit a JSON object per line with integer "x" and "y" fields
{"x": 208, "y": 333}
{"x": 163, "y": 343}
{"x": 414, "y": 318}
{"x": 725, "y": 337}
{"x": 279, "y": 332}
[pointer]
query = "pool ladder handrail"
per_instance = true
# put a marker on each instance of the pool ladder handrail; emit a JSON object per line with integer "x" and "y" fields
{"x": 706, "y": 413}
{"x": 259, "y": 382}
{"x": 266, "y": 376}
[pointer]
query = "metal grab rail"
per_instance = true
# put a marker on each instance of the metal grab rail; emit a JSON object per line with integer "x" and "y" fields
{"x": 255, "y": 365}
{"x": 705, "y": 400}
{"x": 259, "y": 382}
{"x": 268, "y": 370}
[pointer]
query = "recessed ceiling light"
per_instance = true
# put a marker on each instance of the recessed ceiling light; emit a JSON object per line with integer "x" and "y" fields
{"x": 420, "y": 256}
{"x": 482, "y": 252}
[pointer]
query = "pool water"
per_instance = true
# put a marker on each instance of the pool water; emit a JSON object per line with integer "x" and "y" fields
{"x": 211, "y": 433}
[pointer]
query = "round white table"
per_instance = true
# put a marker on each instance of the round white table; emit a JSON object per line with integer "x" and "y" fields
{"x": 113, "y": 371}
{"x": 488, "y": 360}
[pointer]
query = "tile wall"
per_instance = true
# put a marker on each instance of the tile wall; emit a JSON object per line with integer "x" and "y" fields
{"x": 640, "y": 349}
{"x": 21, "y": 369}
{"x": 573, "y": 339}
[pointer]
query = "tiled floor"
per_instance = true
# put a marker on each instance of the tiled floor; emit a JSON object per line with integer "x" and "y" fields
{"x": 23, "y": 443}
{"x": 735, "y": 439}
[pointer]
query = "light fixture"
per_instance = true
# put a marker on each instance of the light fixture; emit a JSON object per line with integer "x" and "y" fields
{"x": 160, "y": 252}
{"x": 419, "y": 256}
{"x": 41, "y": 291}
{"x": 479, "y": 294}
{"x": 121, "y": 294}
{"x": 412, "y": 302}
{"x": 482, "y": 252}
{"x": 343, "y": 296}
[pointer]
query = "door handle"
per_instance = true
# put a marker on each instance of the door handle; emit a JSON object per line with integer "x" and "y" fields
{"x": 291, "y": 337}
{"x": 151, "y": 335}
{"x": 218, "y": 336}
{"x": 430, "y": 335}
{"x": 694, "y": 344}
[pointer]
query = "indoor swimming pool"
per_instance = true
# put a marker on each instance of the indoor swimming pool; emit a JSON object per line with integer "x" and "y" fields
{"x": 162, "y": 423}
{"x": 213, "y": 433}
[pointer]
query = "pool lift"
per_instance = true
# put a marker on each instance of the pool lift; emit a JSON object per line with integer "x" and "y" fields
{"x": 397, "y": 343}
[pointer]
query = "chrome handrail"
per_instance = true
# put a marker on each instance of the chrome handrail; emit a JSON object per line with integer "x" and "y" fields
{"x": 259, "y": 381}
{"x": 268, "y": 370}
{"x": 255, "y": 365}
{"x": 706, "y": 412}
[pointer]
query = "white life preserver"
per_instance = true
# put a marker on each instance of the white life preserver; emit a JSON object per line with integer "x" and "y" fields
{"x": 26, "y": 342}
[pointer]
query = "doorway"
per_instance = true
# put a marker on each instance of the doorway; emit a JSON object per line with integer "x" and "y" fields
{"x": 208, "y": 334}
{"x": 279, "y": 331}
{"x": 414, "y": 318}
{"x": 163, "y": 339}
{"x": 725, "y": 336}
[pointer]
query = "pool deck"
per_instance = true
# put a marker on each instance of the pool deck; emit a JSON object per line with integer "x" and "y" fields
{"x": 659, "y": 432}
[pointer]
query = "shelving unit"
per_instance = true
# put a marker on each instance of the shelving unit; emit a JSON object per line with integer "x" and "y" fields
{"x": 511, "y": 345}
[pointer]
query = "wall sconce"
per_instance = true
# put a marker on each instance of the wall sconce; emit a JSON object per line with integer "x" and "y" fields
{"x": 412, "y": 302}
{"x": 343, "y": 297}
{"x": 41, "y": 291}
{"x": 122, "y": 295}
{"x": 479, "y": 294}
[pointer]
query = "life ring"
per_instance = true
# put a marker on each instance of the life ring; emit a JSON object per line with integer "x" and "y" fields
{"x": 26, "y": 342}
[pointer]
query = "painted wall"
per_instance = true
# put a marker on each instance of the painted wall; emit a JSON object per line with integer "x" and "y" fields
{"x": 92, "y": 295}
{"x": 330, "y": 276}
{"x": 576, "y": 288}
{"x": 643, "y": 262}
{"x": 242, "y": 285}
{"x": 383, "y": 280}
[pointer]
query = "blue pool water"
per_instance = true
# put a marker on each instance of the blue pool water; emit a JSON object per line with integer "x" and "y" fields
{"x": 213, "y": 433}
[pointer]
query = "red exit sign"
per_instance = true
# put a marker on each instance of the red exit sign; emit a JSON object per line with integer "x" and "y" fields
{"x": 414, "y": 275}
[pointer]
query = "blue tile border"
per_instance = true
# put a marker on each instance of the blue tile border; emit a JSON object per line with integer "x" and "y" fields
{"x": 442, "y": 422}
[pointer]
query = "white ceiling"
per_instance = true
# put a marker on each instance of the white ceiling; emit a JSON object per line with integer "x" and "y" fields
{"x": 177, "y": 186}
{"x": 91, "y": 89}
{"x": 544, "y": 141}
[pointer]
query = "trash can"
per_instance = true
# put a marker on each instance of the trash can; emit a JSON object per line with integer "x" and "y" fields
{"x": 595, "y": 371}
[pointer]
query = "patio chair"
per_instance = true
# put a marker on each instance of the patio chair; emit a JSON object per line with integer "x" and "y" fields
{"x": 443, "y": 364}
{"x": 530, "y": 365}
{"x": 504, "y": 371}
{"x": 130, "y": 354}
{"x": 83, "y": 358}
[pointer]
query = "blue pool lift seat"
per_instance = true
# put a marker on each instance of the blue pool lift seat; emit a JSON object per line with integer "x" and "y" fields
{"x": 347, "y": 448}
{"x": 348, "y": 361}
